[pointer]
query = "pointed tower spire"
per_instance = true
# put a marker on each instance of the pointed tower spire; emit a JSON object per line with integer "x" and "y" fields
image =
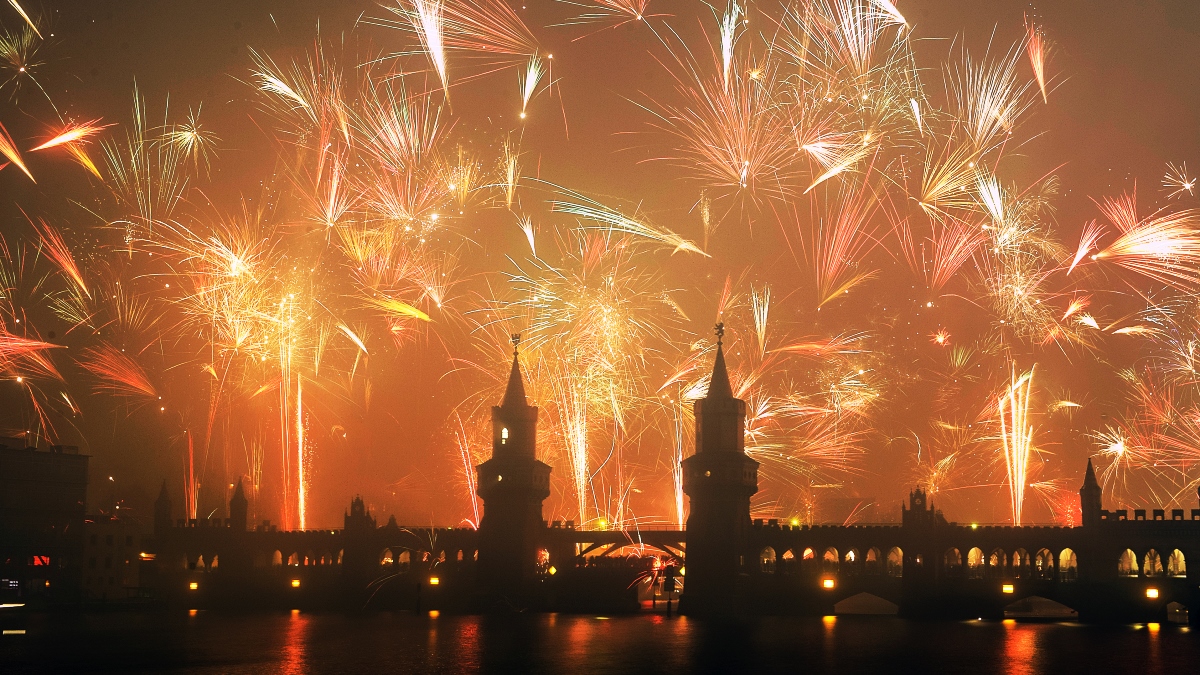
{"x": 1090, "y": 497}
{"x": 1089, "y": 477}
{"x": 514, "y": 394}
{"x": 719, "y": 387}
{"x": 238, "y": 506}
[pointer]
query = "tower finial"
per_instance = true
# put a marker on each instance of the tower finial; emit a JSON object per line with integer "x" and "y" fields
{"x": 720, "y": 330}
{"x": 516, "y": 340}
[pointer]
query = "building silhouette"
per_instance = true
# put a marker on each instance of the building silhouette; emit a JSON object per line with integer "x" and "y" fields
{"x": 1112, "y": 567}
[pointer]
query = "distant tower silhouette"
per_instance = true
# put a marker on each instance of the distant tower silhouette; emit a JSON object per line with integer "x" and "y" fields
{"x": 719, "y": 480}
{"x": 1089, "y": 497}
{"x": 237, "y": 509}
{"x": 162, "y": 511}
{"x": 360, "y": 558}
{"x": 512, "y": 484}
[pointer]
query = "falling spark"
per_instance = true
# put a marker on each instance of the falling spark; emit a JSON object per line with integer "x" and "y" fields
{"x": 526, "y": 225}
{"x": 761, "y": 303}
{"x": 1087, "y": 241}
{"x": 353, "y": 337}
{"x": 1035, "y": 45}
{"x": 729, "y": 26}
{"x": 73, "y": 133}
{"x": 529, "y": 82}
{"x": 427, "y": 21}
{"x": 893, "y": 14}
{"x": 17, "y": 6}
{"x": 1016, "y": 437}
{"x": 9, "y": 150}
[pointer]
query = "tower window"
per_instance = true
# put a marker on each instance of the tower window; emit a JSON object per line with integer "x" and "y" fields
{"x": 503, "y": 435}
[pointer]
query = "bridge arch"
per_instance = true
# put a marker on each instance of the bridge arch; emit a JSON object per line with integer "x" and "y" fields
{"x": 998, "y": 563}
{"x": 952, "y": 562}
{"x": 386, "y": 559}
{"x": 1127, "y": 564}
{"x": 787, "y": 562}
{"x": 1152, "y": 564}
{"x": 829, "y": 562}
{"x": 1176, "y": 564}
{"x": 975, "y": 563}
{"x": 766, "y": 560}
{"x": 871, "y": 565}
{"x": 1068, "y": 565}
{"x": 277, "y": 558}
{"x": 852, "y": 561}
{"x": 1020, "y": 564}
{"x": 1043, "y": 564}
{"x": 895, "y": 562}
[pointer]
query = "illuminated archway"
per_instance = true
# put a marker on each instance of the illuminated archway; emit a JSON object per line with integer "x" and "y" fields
{"x": 872, "y": 562}
{"x": 895, "y": 562}
{"x": 1068, "y": 565}
{"x": 766, "y": 560}
{"x": 1127, "y": 564}
{"x": 997, "y": 563}
{"x": 975, "y": 563}
{"x": 1043, "y": 564}
{"x": 1176, "y": 565}
{"x": 829, "y": 562}
{"x": 1152, "y": 564}
{"x": 1020, "y": 564}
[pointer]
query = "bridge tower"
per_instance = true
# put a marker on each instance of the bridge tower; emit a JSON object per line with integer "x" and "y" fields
{"x": 238, "y": 506}
{"x": 719, "y": 480}
{"x": 162, "y": 512}
{"x": 512, "y": 484}
{"x": 1089, "y": 497}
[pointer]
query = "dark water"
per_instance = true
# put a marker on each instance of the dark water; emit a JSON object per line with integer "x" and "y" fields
{"x": 299, "y": 642}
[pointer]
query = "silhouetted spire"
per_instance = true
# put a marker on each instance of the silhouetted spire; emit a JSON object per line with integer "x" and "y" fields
{"x": 514, "y": 394}
{"x": 1089, "y": 478}
{"x": 239, "y": 495}
{"x": 163, "y": 497}
{"x": 718, "y": 386}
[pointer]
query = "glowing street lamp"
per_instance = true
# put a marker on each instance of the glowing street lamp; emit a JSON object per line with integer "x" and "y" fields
{"x": 1152, "y": 593}
{"x": 828, "y": 584}
{"x": 1007, "y": 588}
{"x": 295, "y": 583}
{"x": 193, "y": 586}
{"x": 434, "y": 581}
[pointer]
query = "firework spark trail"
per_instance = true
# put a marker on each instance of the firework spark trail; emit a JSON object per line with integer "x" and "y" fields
{"x": 729, "y": 35}
{"x": 118, "y": 374}
{"x": 13, "y": 347}
{"x": 889, "y": 9}
{"x": 842, "y": 238}
{"x": 73, "y": 132}
{"x": 526, "y": 225}
{"x": 1087, "y": 241}
{"x": 1035, "y": 45}
{"x": 469, "y": 471}
{"x": 1164, "y": 246}
{"x": 9, "y": 149}
{"x": 512, "y": 173}
{"x": 614, "y": 221}
{"x": 25, "y": 16}
{"x": 57, "y": 251}
{"x": 989, "y": 99}
{"x": 1016, "y": 437}
{"x": 761, "y": 304}
{"x": 427, "y": 21}
{"x": 472, "y": 27}
{"x": 529, "y": 82}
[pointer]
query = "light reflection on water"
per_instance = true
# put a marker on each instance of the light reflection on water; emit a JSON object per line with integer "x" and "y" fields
{"x": 301, "y": 642}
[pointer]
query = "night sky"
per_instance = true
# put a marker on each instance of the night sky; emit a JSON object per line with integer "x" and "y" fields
{"x": 1124, "y": 99}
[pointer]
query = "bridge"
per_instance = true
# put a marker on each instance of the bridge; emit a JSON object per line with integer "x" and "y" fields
{"x": 1112, "y": 567}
